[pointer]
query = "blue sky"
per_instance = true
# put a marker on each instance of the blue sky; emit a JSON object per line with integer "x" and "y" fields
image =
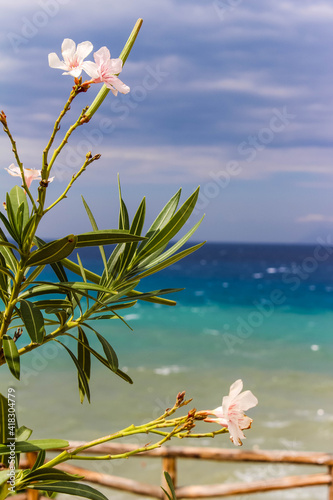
{"x": 233, "y": 95}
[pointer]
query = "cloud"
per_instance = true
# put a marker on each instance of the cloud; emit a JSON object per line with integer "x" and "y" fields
{"x": 315, "y": 218}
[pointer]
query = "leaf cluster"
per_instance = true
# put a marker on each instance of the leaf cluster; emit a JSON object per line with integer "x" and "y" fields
{"x": 74, "y": 306}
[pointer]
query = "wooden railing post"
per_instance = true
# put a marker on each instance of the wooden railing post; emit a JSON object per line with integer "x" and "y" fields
{"x": 169, "y": 465}
{"x": 330, "y": 487}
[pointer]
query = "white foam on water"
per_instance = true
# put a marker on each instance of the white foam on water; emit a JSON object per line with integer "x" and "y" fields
{"x": 129, "y": 317}
{"x": 167, "y": 370}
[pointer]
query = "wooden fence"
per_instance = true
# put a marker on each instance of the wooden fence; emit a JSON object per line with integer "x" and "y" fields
{"x": 170, "y": 454}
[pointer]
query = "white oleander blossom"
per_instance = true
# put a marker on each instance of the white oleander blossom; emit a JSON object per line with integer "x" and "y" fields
{"x": 231, "y": 414}
{"x": 30, "y": 174}
{"x": 73, "y": 57}
{"x": 105, "y": 70}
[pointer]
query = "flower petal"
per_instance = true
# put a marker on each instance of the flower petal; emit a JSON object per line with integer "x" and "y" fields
{"x": 235, "y": 388}
{"x": 83, "y": 50}
{"x": 102, "y": 56}
{"x": 120, "y": 86}
{"x": 236, "y": 434}
{"x": 13, "y": 170}
{"x": 54, "y": 62}
{"x": 246, "y": 400}
{"x": 68, "y": 47}
{"x": 91, "y": 69}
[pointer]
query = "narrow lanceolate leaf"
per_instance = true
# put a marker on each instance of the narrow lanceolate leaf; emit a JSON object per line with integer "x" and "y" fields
{"x": 7, "y": 244}
{"x": 81, "y": 374}
{"x": 110, "y": 354}
{"x": 11, "y": 229}
{"x": 83, "y": 357}
{"x": 163, "y": 217}
{"x": 123, "y": 212}
{"x": 11, "y": 356}
{"x": 53, "y": 252}
{"x": 95, "y": 228}
{"x": 10, "y": 258}
{"x": 33, "y": 321}
{"x": 136, "y": 228}
{"x": 75, "y": 268}
{"x": 56, "y": 266}
{"x": 12, "y": 220}
{"x": 3, "y": 426}
{"x": 34, "y": 445}
{"x": 174, "y": 247}
{"x": 168, "y": 262}
{"x": 39, "y": 460}
{"x": 76, "y": 489}
{"x": 49, "y": 474}
{"x": 176, "y": 222}
{"x": 107, "y": 237}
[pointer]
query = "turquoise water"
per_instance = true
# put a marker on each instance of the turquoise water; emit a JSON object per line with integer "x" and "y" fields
{"x": 260, "y": 313}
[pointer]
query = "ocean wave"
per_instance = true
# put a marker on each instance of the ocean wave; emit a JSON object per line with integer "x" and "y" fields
{"x": 167, "y": 370}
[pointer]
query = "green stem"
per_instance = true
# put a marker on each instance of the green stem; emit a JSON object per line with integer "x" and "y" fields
{"x": 123, "y": 56}
{"x": 88, "y": 161}
{"x": 19, "y": 163}
{"x": 56, "y": 128}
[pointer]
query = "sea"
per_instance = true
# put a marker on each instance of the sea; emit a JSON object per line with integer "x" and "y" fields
{"x": 262, "y": 313}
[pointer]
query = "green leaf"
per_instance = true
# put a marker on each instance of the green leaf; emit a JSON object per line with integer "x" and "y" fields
{"x": 33, "y": 321}
{"x": 171, "y": 486}
{"x": 76, "y": 489}
{"x": 83, "y": 357}
{"x": 12, "y": 219}
{"x": 123, "y": 213}
{"x": 168, "y": 262}
{"x": 34, "y": 445}
{"x": 52, "y": 304}
{"x": 23, "y": 433}
{"x": 11, "y": 229}
{"x": 105, "y": 237}
{"x": 11, "y": 356}
{"x": 136, "y": 228}
{"x": 56, "y": 266}
{"x": 39, "y": 460}
{"x": 3, "y": 426}
{"x": 124, "y": 376}
{"x": 154, "y": 300}
{"x": 75, "y": 268}
{"x": 7, "y": 244}
{"x": 53, "y": 252}
{"x": 28, "y": 230}
{"x": 49, "y": 474}
{"x": 174, "y": 247}
{"x": 110, "y": 354}
{"x": 81, "y": 374}
{"x": 163, "y": 217}
{"x": 163, "y": 236}
{"x": 95, "y": 228}
{"x": 10, "y": 258}
{"x": 18, "y": 199}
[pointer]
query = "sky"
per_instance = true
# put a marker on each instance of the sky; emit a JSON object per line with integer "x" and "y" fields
{"x": 231, "y": 95}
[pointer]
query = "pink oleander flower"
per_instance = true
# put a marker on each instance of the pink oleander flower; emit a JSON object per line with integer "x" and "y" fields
{"x": 30, "y": 174}
{"x": 72, "y": 57}
{"x": 231, "y": 413}
{"x": 105, "y": 70}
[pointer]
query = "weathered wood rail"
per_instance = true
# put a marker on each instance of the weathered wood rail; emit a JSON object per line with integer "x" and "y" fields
{"x": 171, "y": 454}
